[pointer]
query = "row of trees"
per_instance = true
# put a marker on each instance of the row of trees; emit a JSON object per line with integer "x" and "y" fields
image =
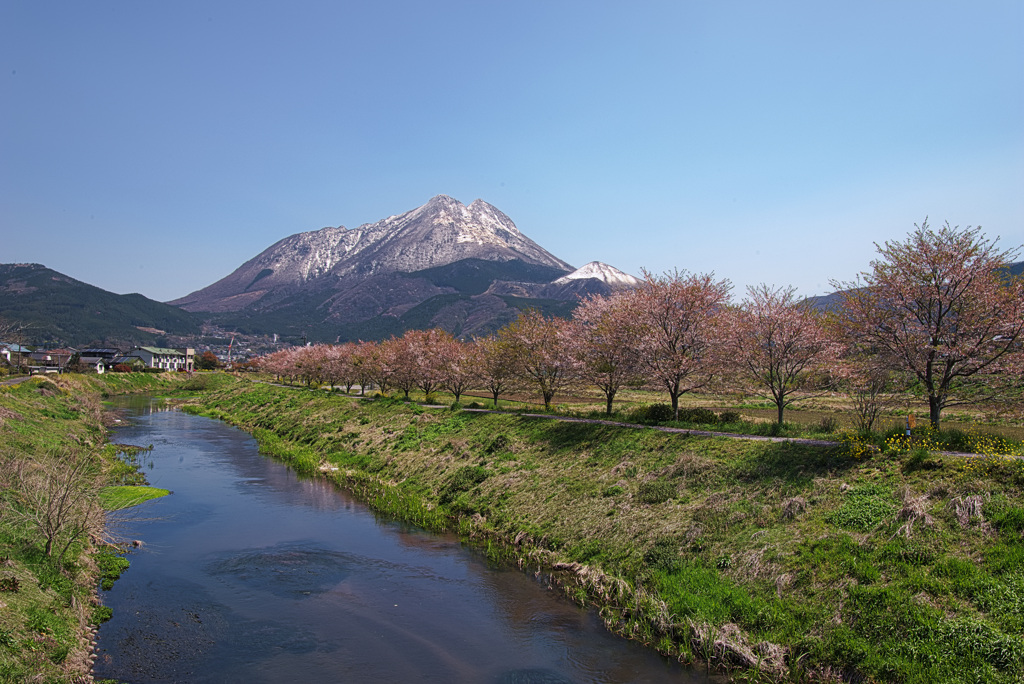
{"x": 938, "y": 307}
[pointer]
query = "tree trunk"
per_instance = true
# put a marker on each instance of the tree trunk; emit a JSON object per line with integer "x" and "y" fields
{"x": 781, "y": 406}
{"x": 611, "y": 397}
{"x": 495, "y": 395}
{"x": 934, "y": 411}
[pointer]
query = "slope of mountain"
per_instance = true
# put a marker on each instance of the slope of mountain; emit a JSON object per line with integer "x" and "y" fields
{"x": 593, "y": 278}
{"x": 453, "y": 297}
{"x": 440, "y": 232}
{"x": 57, "y": 310}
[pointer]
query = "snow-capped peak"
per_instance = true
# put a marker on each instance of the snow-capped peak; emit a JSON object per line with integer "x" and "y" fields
{"x": 609, "y": 275}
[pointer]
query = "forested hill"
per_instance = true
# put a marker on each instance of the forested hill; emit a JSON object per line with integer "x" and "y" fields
{"x": 57, "y": 310}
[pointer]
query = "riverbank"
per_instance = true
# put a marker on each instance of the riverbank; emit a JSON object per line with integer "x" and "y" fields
{"x": 55, "y": 471}
{"x": 793, "y": 561}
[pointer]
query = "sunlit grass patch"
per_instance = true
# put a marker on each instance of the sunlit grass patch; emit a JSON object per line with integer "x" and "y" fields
{"x": 124, "y": 496}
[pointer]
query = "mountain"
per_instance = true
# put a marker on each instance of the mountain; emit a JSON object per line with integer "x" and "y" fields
{"x": 467, "y": 269}
{"x": 831, "y": 301}
{"x": 57, "y": 310}
{"x": 595, "y": 278}
{"x": 440, "y": 232}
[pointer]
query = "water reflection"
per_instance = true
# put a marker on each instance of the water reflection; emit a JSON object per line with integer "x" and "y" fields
{"x": 251, "y": 574}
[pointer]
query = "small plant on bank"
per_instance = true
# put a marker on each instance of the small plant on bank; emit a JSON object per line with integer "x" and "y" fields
{"x": 663, "y": 555}
{"x": 111, "y": 565}
{"x": 656, "y": 491}
{"x": 865, "y": 508}
{"x": 464, "y": 479}
{"x": 826, "y": 426}
{"x": 857, "y": 444}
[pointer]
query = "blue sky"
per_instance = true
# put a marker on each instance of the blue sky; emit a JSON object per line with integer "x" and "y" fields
{"x": 155, "y": 147}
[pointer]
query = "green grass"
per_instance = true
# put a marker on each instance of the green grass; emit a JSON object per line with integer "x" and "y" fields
{"x": 124, "y": 496}
{"x": 858, "y": 563}
{"x": 47, "y": 605}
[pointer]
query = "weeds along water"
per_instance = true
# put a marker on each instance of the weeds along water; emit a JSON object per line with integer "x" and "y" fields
{"x": 898, "y": 562}
{"x": 56, "y": 470}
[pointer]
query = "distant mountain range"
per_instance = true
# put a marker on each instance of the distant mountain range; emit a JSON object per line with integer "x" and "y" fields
{"x": 466, "y": 269}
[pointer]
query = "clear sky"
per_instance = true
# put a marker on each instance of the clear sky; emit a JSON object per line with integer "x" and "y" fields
{"x": 154, "y": 147}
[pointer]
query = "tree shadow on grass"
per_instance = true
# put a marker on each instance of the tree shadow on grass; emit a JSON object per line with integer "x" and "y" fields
{"x": 793, "y": 463}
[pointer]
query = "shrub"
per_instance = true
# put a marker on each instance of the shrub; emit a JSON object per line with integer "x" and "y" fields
{"x": 729, "y": 417}
{"x": 698, "y": 415}
{"x": 653, "y": 413}
{"x": 826, "y": 426}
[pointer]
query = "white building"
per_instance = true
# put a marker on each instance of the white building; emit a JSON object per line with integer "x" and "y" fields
{"x": 167, "y": 359}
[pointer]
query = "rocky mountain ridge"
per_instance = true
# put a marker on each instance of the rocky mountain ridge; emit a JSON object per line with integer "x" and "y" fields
{"x": 440, "y": 232}
{"x": 467, "y": 269}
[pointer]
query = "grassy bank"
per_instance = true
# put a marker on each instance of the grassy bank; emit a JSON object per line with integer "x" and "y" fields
{"x": 793, "y": 561}
{"x": 58, "y": 476}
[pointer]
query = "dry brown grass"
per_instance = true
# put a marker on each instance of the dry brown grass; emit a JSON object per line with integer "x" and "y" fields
{"x": 914, "y": 510}
{"x": 967, "y": 509}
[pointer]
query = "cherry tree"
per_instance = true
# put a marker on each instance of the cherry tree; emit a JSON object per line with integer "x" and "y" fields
{"x": 363, "y": 365}
{"x": 458, "y": 363}
{"x": 398, "y": 364}
{"x": 777, "y": 342}
{"x": 309, "y": 363}
{"x": 604, "y": 339}
{"x": 495, "y": 364}
{"x": 343, "y": 365}
{"x": 941, "y": 306}
{"x": 539, "y": 345}
{"x": 679, "y": 318}
{"x": 423, "y": 352}
{"x": 277, "y": 363}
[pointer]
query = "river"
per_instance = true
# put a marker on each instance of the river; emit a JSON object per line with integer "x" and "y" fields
{"x": 249, "y": 573}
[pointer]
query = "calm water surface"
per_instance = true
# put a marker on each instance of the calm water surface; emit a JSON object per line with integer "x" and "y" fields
{"x": 252, "y": 574}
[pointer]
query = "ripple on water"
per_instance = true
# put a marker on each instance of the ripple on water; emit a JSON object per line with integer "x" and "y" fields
{"x": 290, "y": 570}
{"x": 183, "y": 634}
{"x": 535, "y": 675}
